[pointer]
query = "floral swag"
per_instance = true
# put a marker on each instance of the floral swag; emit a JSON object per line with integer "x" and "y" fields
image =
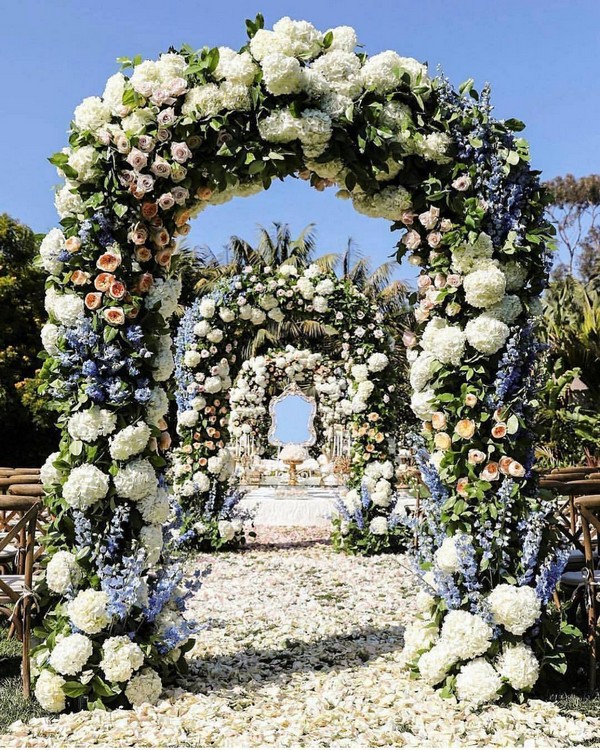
{"x": 197, "y": 128}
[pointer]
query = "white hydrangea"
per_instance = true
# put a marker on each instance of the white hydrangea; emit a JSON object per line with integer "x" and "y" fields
{"x": 344, "y": 38}
{"x": 68, "y": 201}
{"x": 315, "y": 131}
{"x": 63, "y": 572}
{"x": 469, "y": 258}
{"x": 49, "y": 691}
{"x": 84, "y": 161}
{"x": 226, "y": 530}
{"x": 422, "y": 370}
{"x": 445, "y": 341}
{"x": 282, "y": 74}
{"x": 396, "y": 116}
{"x": 338, "y": 71}
{"x": 383, "y": 73}
{"x": 50, "y": 335}
{"x": 52, "y": 245}
{"x": 187, "y": 418}
{"x": 207, "y": 307}
{"x": 90, "y": 424}
{"x": 299, "y": 38}
{"x": 155, "y": 508}
{"x": 121, "y": 657}
{"x": 470, "y": 635}
{"x": 280, "y": 126}
{"x": 202, "y": 101}
{"x": 434, "y": 147}
{"x": 88, "y": 611}
{"x": 517, "y": 608}
{"x": 389, "y": 203}
{"x": 92, "y": 114}
{"x": 68, "y": 309}
{"x": 71, "y": 654}
{"x": 151, "y": 538}
{"x": 507, "y": 310}
{"x": 235, "y": 67}
{"x": 377, "y": 362}
{"x": 163, "y": 363}
{"x": 136, "y": 480}
{"x": 86, "y": 485}
{"x": 192, "y": 358}
{"x": 378, "y": 526}
{"x": 164, "y": 293}
{"x": 170, "y": 65}
{"x": 422, "y": 403}
{"x": 516, "y": 275}
{"x": 265, "y": 42}
{"x": 138, "y": 121}
{"x": 113, "y": 93}
{"x": 157, "y": 406}
{"x": 419, "y": 636}
{"x": 49, "y": 474}
{"x": 484, "y": 288}
{"x": 235, "y": 97}
{"x": 129, "y": 441}
{"x": 486, "y": 334}
{"x": 478, "y": 683}
{"x": 446, "y": 557}
{"x": 519, "y": 665}
{"x": 145, "y": 687}
{"x": 433, "y": 665}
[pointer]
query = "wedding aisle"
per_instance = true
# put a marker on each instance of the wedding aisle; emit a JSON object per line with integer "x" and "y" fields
{"x": 303, "y": 646}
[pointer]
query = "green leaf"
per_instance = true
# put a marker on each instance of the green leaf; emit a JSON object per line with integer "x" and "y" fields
{"x": 75, "y": 448}
{"x": 120, "y": 209}
{"x": 74, "y": 689}
{"x": 327, "y": 40}
{"x": 514, "y": 125}
{"x": 513, "y": 158}
{"x": 512, "y": 425}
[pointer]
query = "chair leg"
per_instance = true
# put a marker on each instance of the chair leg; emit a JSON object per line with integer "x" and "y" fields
{"x": 26, "y": 623}
{"x": 592, "y": 625}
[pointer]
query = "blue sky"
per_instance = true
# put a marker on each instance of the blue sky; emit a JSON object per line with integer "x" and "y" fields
{"x": 541, "y": 57}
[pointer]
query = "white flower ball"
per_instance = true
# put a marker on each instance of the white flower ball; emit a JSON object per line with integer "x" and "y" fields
{"x": 507, "y": 310}
{"x": 50, "y": 335}
{"x": 517, "y": 608}
{"x": 478, "y": 683}
{"x": 84, "y": 161}
{"x": 471, "y": 257}
{"x": 136, "y": 480}
{"x": 516, "y": 275}
{"x": 383, "y": 73}
{"x": 71, "y": 654}
{"x": 91, "y": 424}
{"x": 192, "y": 358}
{"x": 86, "y": 485}
{"x": 486, "y": 334}
{"x": 145, "y": 687}
{"x": 63, "y": 572}
{"x": 519, "y": 665}
{"x": 157, "y": 406}
{"x": 279, "y": 127}
{"x": 202, "y": 101}
{"x": 378, "y": 526}
{"x": 445, "y": 342}
{"x": 419, "y": 636}
{"x": 88, "y": 611}
{"x": 235, "y": 67}
{"x": 164, "y": 296}
{"x": 202, "y": 481}
{"x": 68, "y": 309}
{"x": 49, "y": 691}
{"x": 298, "y": 38}
{"x": 213, "y": 384}
{"x": 344, "y": 38}
{"x": 151, "y": 538}
{"x": 433, "y": 665}
{"x": 92, "y": 114}
{"x": 422, "y": 403}
{"x": 422, "y": 370}
{"x": 52, "y": 245}
{"x": 129, "y": 441}
{"x": 469, "y": 634}
{"x": 49, "y": 474}
{"x": 155, "y": 508}
{"x": 121, "y": 657}
{"x": 207, "y": 307}
{"x": 446, "y": 557}
{"x": 202, "y": 328}
{"x": 282, "y": 74}
{"x": 377, "y": 362}
{"x": 187, "y": 418}
{"x": 484, "y": 288}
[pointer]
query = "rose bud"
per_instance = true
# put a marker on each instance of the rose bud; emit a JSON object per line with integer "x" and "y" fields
{"x": 163, "y": 257}
{"x": 114, "y": 315}
{"x": 143, "y": 254}
{"x": 73, "y": 244}
{"x": 461, "y": 486}
{"x": 103, "y": 281}
{"x": 454, "y": 280}
{"x": 161, "y": 238}
{"x": 476, "y": 457}
{"x": 156, "y": 222}
{"x": 438, "y": 420}
{"x": 490, "y": 472}
{"x": 93, "y": 300}
{"x": 133, "y": 313}
{"x": 470, "y": 399}
{"x": 117, "y": 290}
{"x": 162, "y": 424}
{"x": 504, "y": 463}
{"x": 442, "y": 441}
{"x": 205, "y": 193}
{"x": 424, "y": 282}
{"x": 465, "y": 428}
{"x": 149, "y": 209}
{"x": 144, "y": 282}
{"x": 153, "y": 444}
{"x": 499, "y": 430}
{"x": 407, "y": 218}
{"x": 79, "y": 278}
{"x": 445, "y": 225}
{"x": 453, "y": 309}
{"x": 409, "y": 339}
{"x": 498, "y": 416}
{"x": 164, "y": 442}
{"x": 182, "y": 217}
{"x": 184, "y": 230}
{"x": 420, "y": 315}
{"x": 108, "y": 262}
{"x": 122, "y": 144}
{"x": 516, "y": 469}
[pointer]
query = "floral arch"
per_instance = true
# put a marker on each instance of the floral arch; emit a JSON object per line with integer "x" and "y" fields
{"x": 218, "y": 327}
{"x": 194, "y": 129}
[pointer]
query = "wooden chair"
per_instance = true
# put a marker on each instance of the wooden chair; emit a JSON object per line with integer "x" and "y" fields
{"x": 16, "y": 590}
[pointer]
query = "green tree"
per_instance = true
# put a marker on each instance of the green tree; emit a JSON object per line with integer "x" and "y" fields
{"x": 27, "y": 436}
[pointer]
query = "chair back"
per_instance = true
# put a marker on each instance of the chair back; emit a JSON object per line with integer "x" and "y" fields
{"x": 589, "y": 512}
{"x": 22, "y": 535}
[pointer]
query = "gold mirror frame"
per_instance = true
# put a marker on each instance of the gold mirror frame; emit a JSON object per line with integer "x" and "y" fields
{"x": 292, "y": 389}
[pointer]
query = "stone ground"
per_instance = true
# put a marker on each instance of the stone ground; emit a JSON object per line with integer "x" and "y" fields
{"x": 303, "y": 647}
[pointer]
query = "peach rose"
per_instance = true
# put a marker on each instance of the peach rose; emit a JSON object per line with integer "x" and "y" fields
{"x": 117, "y": 290}
{"x": 516, "y": 469}
{"x": 476, "y": 457}
{"x": 139, "y": 236}
{"x": 461, "y": 486}
{"x": 144, "y": 282}
{"x": 162, "y": 424}
{"x": 499, "y": 430}
{"x": 143, "y": 254}
{"x": 465, "y": 428}
{"x": 470, "y": 399}
{"x": 438, "y": 420}
{"x": 424, "y": 282}
{"x": 133, "y": 312}
{"x": 73, "y": 244}
{"x": 114, "y": 315}
{"x": 504, "y": 463}
{"x": 93, "y": 300}
{"x": 149, "y": 209}
{"x": 108, "y": 262}
{"x": 490, "y": 472}
{"x": 163, "y": 257}
{"x": 165, "y": 441}
{"x": 79, "y": 278}
{"x": 442, "y": 441}
{"x": 182, "y": 217}
{"x": 161, "y": 238}
{"x": 498, "y": 416}
{"x": 103, "y": 281}
{"x": 373, "y": 416}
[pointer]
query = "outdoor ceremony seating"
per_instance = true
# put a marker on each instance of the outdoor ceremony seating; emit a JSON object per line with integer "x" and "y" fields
{"x": 16, "y": 589}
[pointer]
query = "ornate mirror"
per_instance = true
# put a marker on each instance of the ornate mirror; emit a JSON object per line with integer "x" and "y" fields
{"x": 292, "y": 416}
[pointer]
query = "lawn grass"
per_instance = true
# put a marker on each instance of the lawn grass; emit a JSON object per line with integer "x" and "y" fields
{"x": 13, "y": 705}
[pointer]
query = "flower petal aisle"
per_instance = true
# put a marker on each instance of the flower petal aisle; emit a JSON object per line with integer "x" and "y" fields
{"x": 303, "y": 646}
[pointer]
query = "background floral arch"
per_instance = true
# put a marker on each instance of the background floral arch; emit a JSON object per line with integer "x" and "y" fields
{"x": 196, "y": 128}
